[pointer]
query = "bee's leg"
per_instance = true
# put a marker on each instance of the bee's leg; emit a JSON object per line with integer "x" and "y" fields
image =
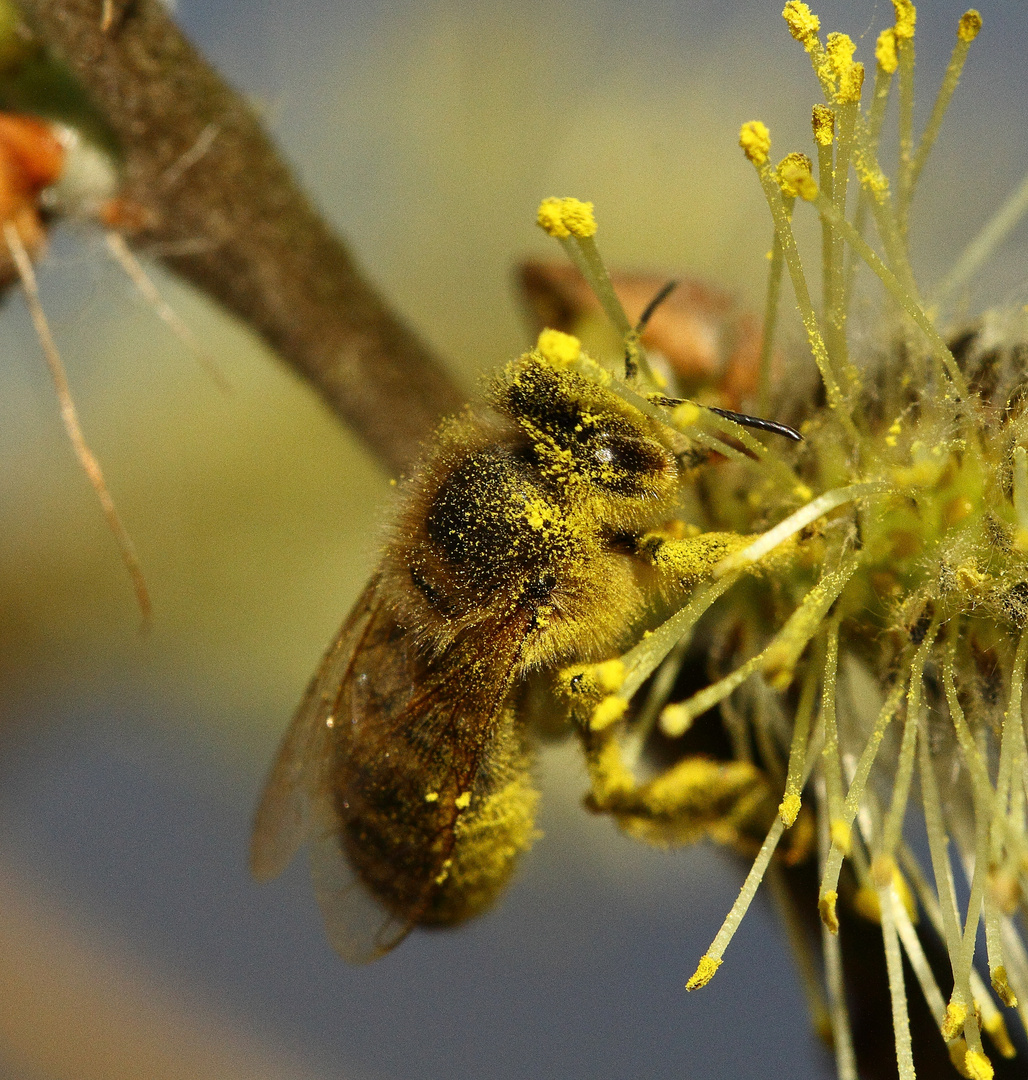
{"x": 682, "y": 563}
{"x": 730, "y": 801}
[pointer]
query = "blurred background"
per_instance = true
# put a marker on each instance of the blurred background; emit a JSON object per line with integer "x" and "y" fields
{"x": 132, "y": 942}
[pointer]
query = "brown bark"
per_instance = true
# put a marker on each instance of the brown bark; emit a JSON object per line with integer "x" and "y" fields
{"x": 232, "y": 221}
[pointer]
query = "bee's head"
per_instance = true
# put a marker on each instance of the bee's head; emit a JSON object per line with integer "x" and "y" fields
{"x": 585, "y": 437}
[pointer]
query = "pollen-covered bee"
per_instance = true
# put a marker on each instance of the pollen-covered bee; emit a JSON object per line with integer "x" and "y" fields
{"x": 516, "y": 548}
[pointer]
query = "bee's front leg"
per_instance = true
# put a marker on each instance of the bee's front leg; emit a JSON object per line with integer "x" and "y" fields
{"x": 682, "y": 561}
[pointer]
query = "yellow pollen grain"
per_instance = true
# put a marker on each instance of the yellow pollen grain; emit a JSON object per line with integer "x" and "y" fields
{"x": 608, "y": 712}
{"x": 906, "y": 17}
{"x": 803, "y": 493}
{"x": 755, "y": 140}
{"x": 823, "y": 122}
{"x": 978, "y": 1066}
{"x": 463, "y": 801}
{"x": 969, "y": 26}
{"x": 953, "y": 1023}
{"x": 802, "y": 22}
{"x": 559, "y": 349}
{"x": 431, "y": 796}
{"x": 704, "y": 972}
{"x": 789, "y": 809}
{"x": 537, "y": 514}
{"x": 444, "y": 873}
{"x": 885, "y": 51}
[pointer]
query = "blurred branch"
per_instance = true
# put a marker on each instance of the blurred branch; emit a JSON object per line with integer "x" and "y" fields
{"x": 221, "y": 209}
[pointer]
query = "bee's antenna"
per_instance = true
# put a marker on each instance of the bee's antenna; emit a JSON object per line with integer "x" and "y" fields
{"x": 632, "y": 344}
{"x": 740, "y": 418}
{"x": 758, "y": 423}
{"x": 655, "y": 303}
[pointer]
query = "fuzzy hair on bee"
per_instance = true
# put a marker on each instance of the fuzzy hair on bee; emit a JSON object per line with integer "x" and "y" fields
{"x": 517, "y": 547}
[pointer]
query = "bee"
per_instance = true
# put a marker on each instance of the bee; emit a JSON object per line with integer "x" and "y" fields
{"x": 516, "y": 550}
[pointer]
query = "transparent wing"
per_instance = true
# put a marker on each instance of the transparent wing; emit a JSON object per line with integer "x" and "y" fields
{"x": 378, "y": 720}
{"x": 290, "y": 809}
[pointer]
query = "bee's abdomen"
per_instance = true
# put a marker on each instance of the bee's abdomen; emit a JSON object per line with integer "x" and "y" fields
{"x": 427, "y": 851}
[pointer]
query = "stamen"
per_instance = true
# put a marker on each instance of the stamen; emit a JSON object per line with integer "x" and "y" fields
{"x": 905, "y": 764}
{"x": 842, "y": 1036}
{"x": 897, "y": 990}
{"x": 967, "y": 30}
{"x": 790, "y": 806}
{"x": 828, "y": 893}
{"x": 783, "y": 229}
{"x": 795, "y": 522}
{"x": 903, "y": 296}
{"x": 778, "y": 659}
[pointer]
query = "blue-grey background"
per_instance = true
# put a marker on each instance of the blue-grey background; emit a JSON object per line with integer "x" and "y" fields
{"x": 132, "y": 942}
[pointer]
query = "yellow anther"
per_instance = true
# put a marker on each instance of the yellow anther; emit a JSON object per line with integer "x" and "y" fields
{"x": 953, "y": 1023}
{"x": 788, "y": 809}
{"x": 851, "y": 83}
{"x": 1003, "y": 989}
{"x": 906, "y": 17}
{"x": 566, "y": 217}
{"x": 794, "y": 177}
{"x": 608, "y": 712}
{"x": 996, "y": 1026}
{"x": 755, "y": 140}
{"x": 826, "y": 906}
{"x": 431, "y": 796}
{"x": 823, "y": 123}
{"x": 957, "y": 1053}
{"x": 609, "y": 675}
{"x": 978, "y": 1066}
{"x": 803, "y": 23}
{"x": 885, "y": 51}
{"x": 462, "y": 802}
{"x": 840, "y": 49}
{"x": 686, "y": 414}
{"x": 969, "y": 26}
{"x": 578, "y": 217}
{"x": 704, "y": 972}
{"x": 558, "y": 348}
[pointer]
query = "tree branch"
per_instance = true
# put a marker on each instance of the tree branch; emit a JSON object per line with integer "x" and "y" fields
{"x": 222, "y": 211}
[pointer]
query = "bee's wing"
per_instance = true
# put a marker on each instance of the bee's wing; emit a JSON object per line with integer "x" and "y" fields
{"x": 359, "y": 928}
{"x": 381, "y": 693}
{"x": 290, "y": 807}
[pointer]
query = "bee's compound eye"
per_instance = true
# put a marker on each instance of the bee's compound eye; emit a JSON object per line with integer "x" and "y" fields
{"x": 625, "y": 464}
